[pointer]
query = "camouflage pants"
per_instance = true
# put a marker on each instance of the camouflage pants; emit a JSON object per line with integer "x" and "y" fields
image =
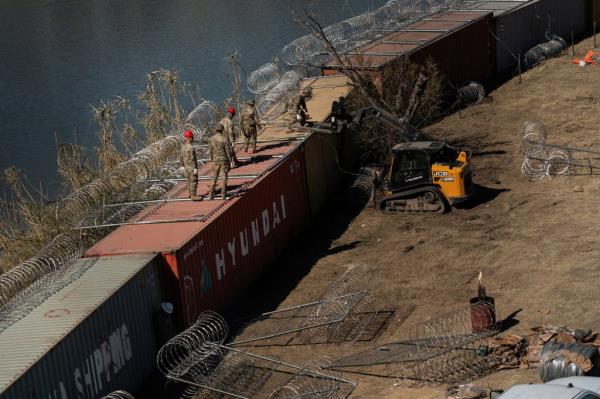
{"x": 234, "y": 160}
{"x": 250, "y": 141}
{"x": 219, "y": 168}
{"x": 232, "y": 138}
{"x": 192, "y": 181}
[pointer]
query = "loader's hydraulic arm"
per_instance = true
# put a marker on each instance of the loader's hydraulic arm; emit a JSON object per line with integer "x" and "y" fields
{"x": 410, "y": 132}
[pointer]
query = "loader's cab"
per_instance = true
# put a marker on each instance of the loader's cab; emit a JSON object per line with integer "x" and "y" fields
{"x": 429, "y": 163}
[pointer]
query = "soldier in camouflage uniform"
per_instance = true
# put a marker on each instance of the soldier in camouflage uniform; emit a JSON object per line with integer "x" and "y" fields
{"x": 227, "y": 123}
{"x": 190, "y": 164}
{"x": 219, "y": 151}
{"x": 250, "y": 126}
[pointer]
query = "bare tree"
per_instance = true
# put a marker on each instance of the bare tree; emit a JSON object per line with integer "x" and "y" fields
{"x": 235, "y": 67}
{"x": 310, "y": 22}
{"x": 411, "y": 90}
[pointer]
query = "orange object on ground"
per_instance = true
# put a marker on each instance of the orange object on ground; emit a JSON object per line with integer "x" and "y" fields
{"x": 590, "y": 58}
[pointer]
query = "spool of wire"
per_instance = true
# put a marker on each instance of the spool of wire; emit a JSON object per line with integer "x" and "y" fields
{"x": 557, "y": 360}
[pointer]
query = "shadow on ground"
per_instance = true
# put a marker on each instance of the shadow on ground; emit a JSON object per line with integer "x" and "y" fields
{"x": 482, "y": 195}
{"x": 293, "y": 265}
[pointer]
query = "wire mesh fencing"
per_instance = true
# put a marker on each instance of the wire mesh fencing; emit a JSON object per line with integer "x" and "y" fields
{"x": 199, "y": 358}
{"x": 346, "y": 312}
{"x": 447, "y": 349}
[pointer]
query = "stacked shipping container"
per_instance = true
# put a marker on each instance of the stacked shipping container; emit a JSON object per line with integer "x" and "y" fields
{"x": 211, "y": 261}
{"x": 96, "y": 334}
{"x": 463, "y": 51}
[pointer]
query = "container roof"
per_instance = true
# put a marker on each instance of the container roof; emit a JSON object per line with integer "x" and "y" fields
{"x": 167, "y": 237}
{"x": 160, "y": 228}
{"x": 27, "y": 340}
{"x": 498, "y": 7}
{"x": 409, "y": 39}
{"x": 325, "y": 90}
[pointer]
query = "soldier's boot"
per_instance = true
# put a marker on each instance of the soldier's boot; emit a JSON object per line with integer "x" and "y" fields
{"x": 193, "y": 187}
{"x": 253, "y": 148}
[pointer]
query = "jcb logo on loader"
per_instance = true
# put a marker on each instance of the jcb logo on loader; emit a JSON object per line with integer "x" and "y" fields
{"x": 440, "y": 173}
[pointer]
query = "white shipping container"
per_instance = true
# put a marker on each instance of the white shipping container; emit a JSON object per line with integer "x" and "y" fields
{"x": 91, "y": 337}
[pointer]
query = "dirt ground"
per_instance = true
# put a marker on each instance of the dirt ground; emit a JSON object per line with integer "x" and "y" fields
{"x": 535, "y": 242}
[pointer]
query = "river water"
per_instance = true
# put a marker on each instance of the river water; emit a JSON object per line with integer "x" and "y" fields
{"x": 59, "y": 57}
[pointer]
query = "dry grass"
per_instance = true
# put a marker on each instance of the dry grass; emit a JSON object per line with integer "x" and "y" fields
{"x": 31, "y": 220}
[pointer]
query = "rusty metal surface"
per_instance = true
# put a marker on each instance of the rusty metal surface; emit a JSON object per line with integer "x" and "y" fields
{"x": 237, "y": 244}
{"x": 171, "y": 236}
{"x": 206, "y": 263}
{"x": 497, "y": 7}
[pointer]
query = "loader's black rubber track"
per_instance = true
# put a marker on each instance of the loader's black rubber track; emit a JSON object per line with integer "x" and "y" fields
{"x": 414, "y": 194}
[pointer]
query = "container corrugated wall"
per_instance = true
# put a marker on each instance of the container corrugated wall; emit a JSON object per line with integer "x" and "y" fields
{"x": 594, "y": 14}
{"x": 112, "y": 348}
{"x": 234, "y": 248}
{"x": 523, "y": 28}
{"x": 467, "y": 54}
{"x": 323, "y": 175}
{"x": 459, "y": 42}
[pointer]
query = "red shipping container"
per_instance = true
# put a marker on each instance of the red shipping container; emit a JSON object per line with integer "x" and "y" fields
{"x": 212, "y": 261}
{"x": 459, "y": 42}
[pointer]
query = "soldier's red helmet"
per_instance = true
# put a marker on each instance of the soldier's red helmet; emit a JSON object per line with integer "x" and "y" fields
{"x": 231, "y": 110}
{"x": 188, "y": 134}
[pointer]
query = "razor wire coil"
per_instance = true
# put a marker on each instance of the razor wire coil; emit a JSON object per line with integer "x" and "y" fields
{"x": 263, "y": 78}
{"x": 198, "y": 357}
{"x": 471, "y": 94}
{"x": 119, "y": 395}
{"x": 543, "y": 51}
{"x": 555, "y": 362}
